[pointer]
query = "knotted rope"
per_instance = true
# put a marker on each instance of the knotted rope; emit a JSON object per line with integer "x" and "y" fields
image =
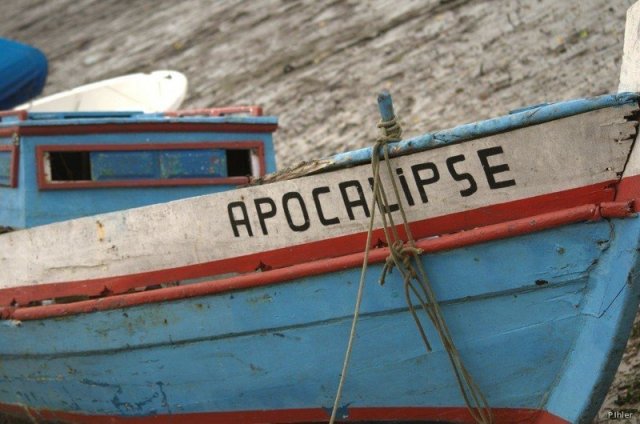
{"x": 405, "y": 256}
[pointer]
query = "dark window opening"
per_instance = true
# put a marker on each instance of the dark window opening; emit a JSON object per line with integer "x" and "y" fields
{"x": 70, "y": 166}
{"x": 238, "y": 163}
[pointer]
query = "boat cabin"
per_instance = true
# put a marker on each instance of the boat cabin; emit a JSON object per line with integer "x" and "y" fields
{"x": 59, "y": 166}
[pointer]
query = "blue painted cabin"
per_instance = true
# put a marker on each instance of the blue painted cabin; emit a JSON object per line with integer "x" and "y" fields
{"x": 60, "y": 166}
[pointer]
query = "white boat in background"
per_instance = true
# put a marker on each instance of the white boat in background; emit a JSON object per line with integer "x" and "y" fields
{"x": 157, "y": 91}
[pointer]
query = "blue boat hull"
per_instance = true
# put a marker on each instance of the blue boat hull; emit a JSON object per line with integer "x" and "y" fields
{"x": 539, "y": 319}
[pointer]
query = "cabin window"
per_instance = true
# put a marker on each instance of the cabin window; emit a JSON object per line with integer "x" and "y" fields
{"x": 238, "y": 162}
{"x": 8, "y": 166}
{"x": 149, "y": 165}
{"x": 70, "y": 166}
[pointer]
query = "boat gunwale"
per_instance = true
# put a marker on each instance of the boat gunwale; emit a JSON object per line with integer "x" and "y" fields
{"x": 520, "y": 118}
{"x": 507, "y": 229}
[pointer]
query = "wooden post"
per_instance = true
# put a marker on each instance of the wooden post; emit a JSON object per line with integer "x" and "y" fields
{"x": 630, "y": 70}
{"x": 385, "y": 105}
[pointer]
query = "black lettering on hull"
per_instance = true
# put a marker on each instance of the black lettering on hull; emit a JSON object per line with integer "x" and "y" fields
{"x": 264, "y": 214}
{"x": 393, "y": 207}
{"x": 351, "y": 203}
{"x": 421, "y": 181}
{"x": 491, "y": 171}
{"x": 316, "y": 200}
{"x": 356, "y": 204}
{"x": 286, "y": 200}
{"x": 473, "y": 187}
{"x": 242, "y": 221}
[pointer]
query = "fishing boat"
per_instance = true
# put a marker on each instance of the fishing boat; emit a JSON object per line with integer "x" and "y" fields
{"x": 157, "y": 91}
{"x": 514, "y": 246}
{"x": 23, "y": 72}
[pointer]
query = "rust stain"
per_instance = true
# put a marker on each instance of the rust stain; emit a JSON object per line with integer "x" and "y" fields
{"x": 101, "y": 232}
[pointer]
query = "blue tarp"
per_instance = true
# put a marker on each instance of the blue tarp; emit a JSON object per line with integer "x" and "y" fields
{"x": 23, "y": 72}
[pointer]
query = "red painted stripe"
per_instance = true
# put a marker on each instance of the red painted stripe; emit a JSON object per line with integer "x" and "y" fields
{"x": 322, "y": 249}
{"x": 304, "y": 269}
{"x": 291, "y": 416}
{"x": 9, "y": 131}
{"x": 145, "y": 127}
{"x": 173, "y": 182}
{"x": 20, "y": 114}
{"x": 629, "y": 190}
{"x": 620, "y": 209}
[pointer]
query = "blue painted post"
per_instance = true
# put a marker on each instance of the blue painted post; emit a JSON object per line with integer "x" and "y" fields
{"x": 385, "y": 105}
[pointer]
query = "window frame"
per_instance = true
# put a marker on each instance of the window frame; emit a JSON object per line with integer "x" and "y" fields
{"x": 44, "y": 183}
{"x": 14, "y": 150}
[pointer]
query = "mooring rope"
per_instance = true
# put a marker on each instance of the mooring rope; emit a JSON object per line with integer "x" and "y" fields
{"x": 406, "y": 258}
{"x": 356, "y": 312}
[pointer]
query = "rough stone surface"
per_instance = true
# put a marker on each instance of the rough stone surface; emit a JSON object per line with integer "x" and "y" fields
{"x": 318, "y": 65}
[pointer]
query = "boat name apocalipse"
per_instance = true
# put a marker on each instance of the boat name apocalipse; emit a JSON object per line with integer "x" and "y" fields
{"x": 352, "y": 196}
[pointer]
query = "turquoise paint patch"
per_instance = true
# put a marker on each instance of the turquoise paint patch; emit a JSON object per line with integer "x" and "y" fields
{"x": 110, "y": 166}
{"x": 208, "y": 163}
{"x": 158, "y": 164}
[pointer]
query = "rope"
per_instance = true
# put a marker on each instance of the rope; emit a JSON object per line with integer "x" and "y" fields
{"x": 406, "y": 258}
{"x": 356, "y": 312}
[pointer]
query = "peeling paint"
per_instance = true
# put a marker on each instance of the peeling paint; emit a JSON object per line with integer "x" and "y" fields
{"x": 101, "y": 231}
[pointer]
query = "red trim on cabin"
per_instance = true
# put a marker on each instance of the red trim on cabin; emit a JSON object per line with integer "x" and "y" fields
{"x": 9, "y": 131}
{"x": 13, "y": 171}
{"x": 290, "y": 416}
{"x": 44, "y": 184}
{"x": 20, "y": 114}
{"x": 83, "y": 129}
{"x": 217, "y": 111}
{"x": 174, "y": 182}
{"x": 276, "y": 276}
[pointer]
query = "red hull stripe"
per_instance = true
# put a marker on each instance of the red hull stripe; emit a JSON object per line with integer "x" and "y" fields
{"x": 335, "y": 247}
{"x": 290, "y": 416}
{"x": 339, "y": 246}
{"x": 306, "y": 269}
{"x": 629, "y": 189}
{"x": 496, "y": 221}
